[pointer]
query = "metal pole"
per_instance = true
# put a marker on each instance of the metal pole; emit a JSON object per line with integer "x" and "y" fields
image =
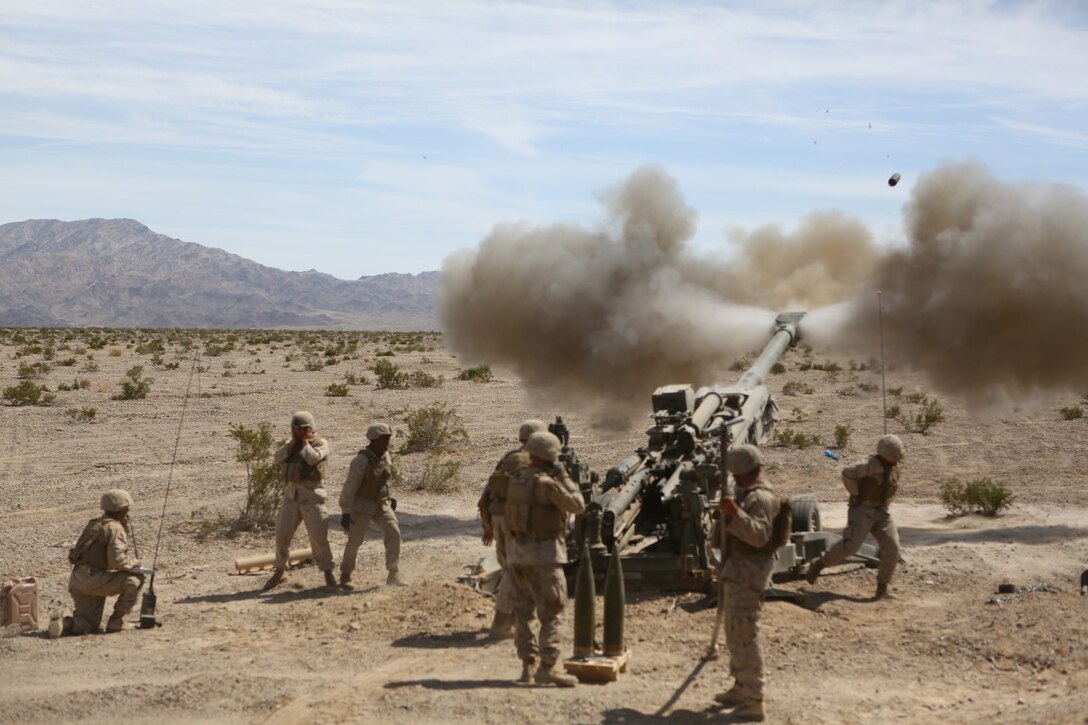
{"x": 883, "y": 386}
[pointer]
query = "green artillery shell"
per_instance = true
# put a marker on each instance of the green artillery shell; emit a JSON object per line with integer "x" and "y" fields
{"x": 585, "y": 595}
{"x": 614, "y": 600}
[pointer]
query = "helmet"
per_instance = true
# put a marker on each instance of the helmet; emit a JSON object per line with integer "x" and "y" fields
{"x": 115, "y": 500}
{"x": 529, "y": 427}
{"x": 543, "y": 445}
{"x": 744, "y": 459}
{"x": 890, "y": 448}
{"x": 377, "y": 430}
{"x": 302, "y": 419}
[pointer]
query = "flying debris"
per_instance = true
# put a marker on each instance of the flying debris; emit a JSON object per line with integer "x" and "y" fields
{"x": 894, "y": 179}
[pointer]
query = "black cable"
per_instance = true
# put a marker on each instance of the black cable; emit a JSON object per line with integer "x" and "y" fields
{"x": 173, "y": 460}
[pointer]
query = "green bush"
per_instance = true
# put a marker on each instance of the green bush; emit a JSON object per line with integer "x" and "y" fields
{"x": 134, "y": 386}
{"x": 337, "y": 390}
{"x": 842, "y": 436}
{"x": 796, "y": 387}
{"x": 795, "y": 439}
{"x": 389, "y": 376}
{"x": 1072, "y": 413}
{"x": 33, "y": 371}
{"x": 352, "y": 379}
{"x": 85, "y": 414}
{"x": 778, "y": 368}
{"x": 420, "y": 379}
{"x": 439, "y": 476}
{"x": 928, "y": 416}
{"x": 980, "y": 495}
{"x": 264, "y": 484}
{"x": 434, "y": 428}
{"x": 893, "y": 412}
{"x": 868, "y": 387}
{"x": 27, "y": 393}
{"x": 740, "y": 365}
{"x": 481, "y": 374}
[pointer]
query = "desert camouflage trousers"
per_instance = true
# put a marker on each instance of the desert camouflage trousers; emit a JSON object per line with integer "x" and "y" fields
{"x": 302, "y": 505}
{"x": 89, "y": 587}
{"x": 386, "y": 521}
{"x": 542, "y": 589}
{"x": 504, "y": 598}
{"x": 862, "y": 520}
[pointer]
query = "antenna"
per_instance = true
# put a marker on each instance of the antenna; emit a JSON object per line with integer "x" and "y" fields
{"x": 883, "y": 387}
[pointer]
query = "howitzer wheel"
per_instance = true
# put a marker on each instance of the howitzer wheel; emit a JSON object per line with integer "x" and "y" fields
{"x": 806, "y": 514}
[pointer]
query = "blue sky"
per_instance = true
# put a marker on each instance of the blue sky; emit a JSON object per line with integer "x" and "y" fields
{"x": 357, "y": 138}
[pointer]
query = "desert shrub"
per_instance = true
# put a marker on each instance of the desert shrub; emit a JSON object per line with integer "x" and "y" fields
{"x": 435, "y": 428}
{"x": 389, "y": 375}
{"x": 893, "y": 412}
{"x": 135, "y": 386}
{"x": 481, "y": 374}
{"x": 439, "y": 476}
{"x": 868, "y": 387}
{"x": 796, "y": 387}
{"x": 337, "y": 390}
{"x": 33, "y": 371}
{"x": 896, "y": 392}
{"x": 313, "y": 363}
{"x": 385, "y": 353}
{"x": 90, "y": 366}
{"x": 84, "y": 383}
{"x": 115, "y": 352}
{"x": 795, "y": 439}
{"x": 740, "y": 365}
{"x": 980, "y": 495}
{"x": 352, "y": 379}
{"x": 264, "y": 484}
{"x": 842, "y": 435}
{"x": 85, "y": 414}
{"x": 1072, "y": 412}
{"x": 27, "y": 393}
{"x": 421, "y": 379}
{"x": 929, "y": 415}
{"x": 778, "y": 368}
{"x": 915, "y": 397}
{"x": 67, "y": 362}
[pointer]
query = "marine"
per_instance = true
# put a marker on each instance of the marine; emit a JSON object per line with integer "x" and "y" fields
{"x": 303, "y": 460}
{"x": 872, "y": 485}
{"x": 747, "y": 563}
{"x": 492, "y": 505}
{"x": 102, "y": 567}
{"x": 538, "y": 504}
{"x": 365, "y": 499}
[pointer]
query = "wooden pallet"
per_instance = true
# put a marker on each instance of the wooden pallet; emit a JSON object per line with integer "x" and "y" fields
{"x": 597, "y": 668}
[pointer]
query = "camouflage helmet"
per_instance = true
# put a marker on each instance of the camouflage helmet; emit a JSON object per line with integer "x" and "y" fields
{"x": 529, "y": 427}
{"x": 377, "y": 430}
{"x": 116, "y": 499}
{"x": 543, "y": 445}
{"x": 890, "y": 448}
{"x": 302, "y": 419}
{"x": 744, "y": 459}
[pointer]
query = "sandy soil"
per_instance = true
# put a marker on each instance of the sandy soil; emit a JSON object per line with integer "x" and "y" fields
{"x": 947, "y": 650}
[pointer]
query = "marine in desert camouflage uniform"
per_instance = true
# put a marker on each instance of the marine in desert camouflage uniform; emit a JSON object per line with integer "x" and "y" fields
{"x": 303, "y": 460}
{"x": 492, "y": 507}
{"x": 745, "y": 575}
{"x": 102, "y": 567}
{"x": 538, "y": 504}
{"x": 872, "y": 485}
{"x": 366, "y": 499}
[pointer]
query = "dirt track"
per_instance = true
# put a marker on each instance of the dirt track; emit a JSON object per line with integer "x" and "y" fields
{"x": 947, "y": 650}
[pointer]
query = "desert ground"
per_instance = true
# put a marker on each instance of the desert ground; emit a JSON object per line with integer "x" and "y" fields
{"x": 948, "y": 649}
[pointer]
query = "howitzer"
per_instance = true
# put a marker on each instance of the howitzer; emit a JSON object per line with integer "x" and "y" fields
{"x": 658, "y": 505}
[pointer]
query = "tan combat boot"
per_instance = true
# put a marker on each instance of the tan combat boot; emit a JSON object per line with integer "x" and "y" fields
{"x": 546, "y": 675}
{"x": 732, "y": 696}
{"x": 115, "y": 624}
{"x": 395, "y": 579}
{"x": 345, "y": 581}
{"x": 748, "y": 711}
{"x": 502, "y": 626}
{"x": 279, "y": 576}
{"x": 330, "y": 580}
{"x": 528, "y": 669}
{"x": 882, "y": 592}
{"x": 813, "y": 572}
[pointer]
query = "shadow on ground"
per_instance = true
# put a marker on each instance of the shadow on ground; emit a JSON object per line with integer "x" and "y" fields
{"x": 432, "y": 684}
{"x": 427, "y": 640}
{"x": 1032, "y": 534}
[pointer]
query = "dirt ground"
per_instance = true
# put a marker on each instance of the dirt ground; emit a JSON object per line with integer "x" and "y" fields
{"x": 949, "y": 649}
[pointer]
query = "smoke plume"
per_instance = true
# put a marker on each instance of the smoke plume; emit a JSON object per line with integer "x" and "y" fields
{"x": 606, "y": 315}
{"x": 990, "y": 297}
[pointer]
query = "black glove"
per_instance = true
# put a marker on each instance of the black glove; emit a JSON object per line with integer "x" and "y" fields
{"x": 393, "y": 504}
{"x": 345, "y": 521}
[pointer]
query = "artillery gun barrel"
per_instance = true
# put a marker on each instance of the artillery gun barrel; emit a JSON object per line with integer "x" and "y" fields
{"x": 784, "y": 335}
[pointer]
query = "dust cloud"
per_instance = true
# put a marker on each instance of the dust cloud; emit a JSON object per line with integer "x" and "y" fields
{"x": 990, "y": 298}
{"x": 600, "y": 317}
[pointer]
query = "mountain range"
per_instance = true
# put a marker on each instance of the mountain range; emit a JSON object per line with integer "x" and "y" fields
{"x": 119, "y": 273}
